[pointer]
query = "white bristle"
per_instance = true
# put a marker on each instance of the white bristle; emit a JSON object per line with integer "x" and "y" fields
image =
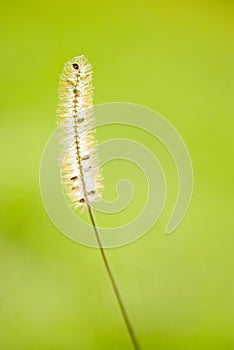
{"x": 81, "y": 174}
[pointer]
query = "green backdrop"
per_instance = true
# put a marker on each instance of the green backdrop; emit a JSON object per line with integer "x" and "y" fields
{"x": 177, "y": 58}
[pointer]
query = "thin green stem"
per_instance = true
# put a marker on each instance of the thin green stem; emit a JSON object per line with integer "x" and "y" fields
{"x": 114, "y": 285}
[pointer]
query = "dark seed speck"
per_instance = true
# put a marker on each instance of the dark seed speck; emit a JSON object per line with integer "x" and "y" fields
{"x": 75, "y": 66}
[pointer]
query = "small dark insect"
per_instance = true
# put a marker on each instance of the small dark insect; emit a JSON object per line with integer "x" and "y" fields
{"x": 75, "y": 91}
{"x": 91, "y": 192}
{"x": 85, "y": 157}
{"x": 74, "y": 178}
{"x": 82, "y": 200}
{"x": 80, "y": 120}
{"x": 75, "y": 66}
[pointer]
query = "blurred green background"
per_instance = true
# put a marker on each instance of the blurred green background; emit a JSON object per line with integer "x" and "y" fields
{"x": 177, "y": 58}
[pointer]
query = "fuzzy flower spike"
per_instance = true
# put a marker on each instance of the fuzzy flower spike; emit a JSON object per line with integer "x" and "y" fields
{"x": 81, "y": 174}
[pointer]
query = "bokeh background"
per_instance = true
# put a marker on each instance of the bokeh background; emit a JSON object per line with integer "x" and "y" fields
{"x": 177, "y": 58}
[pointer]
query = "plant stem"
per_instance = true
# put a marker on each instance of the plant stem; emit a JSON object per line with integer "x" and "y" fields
{"x": 126, "y": 318}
